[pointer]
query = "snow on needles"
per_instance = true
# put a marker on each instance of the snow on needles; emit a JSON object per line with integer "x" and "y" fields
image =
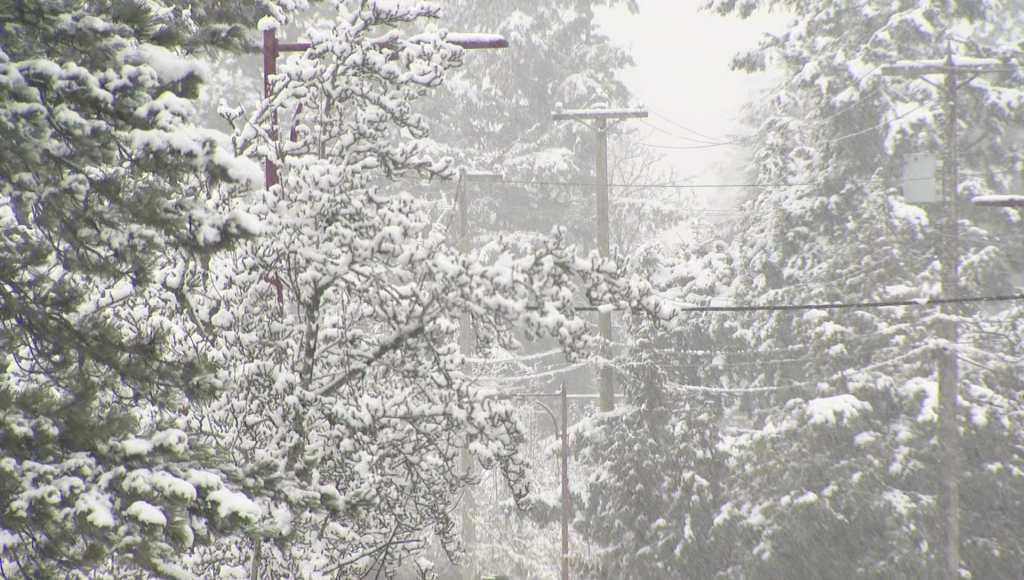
{"x": 168, "y": 66}
{"x": 827, "y": 409}
{"x": 147, "y": 513}
{"x": 234, "y": 503}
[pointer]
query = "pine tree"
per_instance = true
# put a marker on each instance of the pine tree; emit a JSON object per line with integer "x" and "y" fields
{"x": 104, "y": 184}
{"x": 655, "y": 471}
{"x": 496, "y": 113}
{"x": 840, "y": 472}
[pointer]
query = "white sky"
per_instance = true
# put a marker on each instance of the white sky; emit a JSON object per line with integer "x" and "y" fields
{"x": 682, "y": 73}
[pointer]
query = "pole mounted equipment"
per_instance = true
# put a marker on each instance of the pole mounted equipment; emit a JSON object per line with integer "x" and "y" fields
{"x": 466, "y": 337}
{"x": 947, "y": 432}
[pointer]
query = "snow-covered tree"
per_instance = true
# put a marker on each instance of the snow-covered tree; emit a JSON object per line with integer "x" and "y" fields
{"x": 654, "y": 468}
{"x": 840, "y": 476}
{"x": 496, "y": 113}
{"x": 349, "y": 405}
{"x": 103, "y": 187}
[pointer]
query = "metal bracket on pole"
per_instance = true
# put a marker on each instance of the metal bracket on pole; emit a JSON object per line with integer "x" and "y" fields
{"x": 273, "y": 49}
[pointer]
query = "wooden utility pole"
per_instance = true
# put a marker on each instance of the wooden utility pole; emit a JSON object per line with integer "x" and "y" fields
{"x": 565, "y": 483}
{"x": 948, "y": 429}
{"x": 466, "y": 342}
{"x": 604, "y": 319}
{"x": 563, "y": 433}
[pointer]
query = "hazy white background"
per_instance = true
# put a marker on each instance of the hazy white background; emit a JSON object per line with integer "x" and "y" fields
{"x": 682, "y": 73}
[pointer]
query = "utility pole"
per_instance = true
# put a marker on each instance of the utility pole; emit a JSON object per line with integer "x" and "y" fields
{"x": 466, "y": 343}
{"x": 948, "y": 429}
{"x": 563, "y": 433}
{"x": 604, "y": 319}
{"x": 565, "y": 483}
{"x": 272, "y": 49}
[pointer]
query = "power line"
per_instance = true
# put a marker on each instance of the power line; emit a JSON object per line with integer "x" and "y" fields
{"x": 535, "y": 375}
{"x": 742, "y": 141}
{"x": 879, "y": 126}
{"x": 716, "y": 142}
{"x": 688, "y": 212}
{"x": 671, "y": 134}
{"x": 652, "y": 185}
{"x": 829, "y": 305}
{"x": 818, "y": 123}
{"x": 742, "y": 391}
{"x": 848, "y": 373}
{"x": 711, "y": 353}
{"x": 687, "y": 129}
{"x": 673, "y": 352}
{"x": 722, "y": 365}
{"x": 515, "y": 358}
{"x": 645, "y": 144}
{"x": 865, "y": 75}
{"x": 728, "y": 185}
{"x": 863, "y": 99}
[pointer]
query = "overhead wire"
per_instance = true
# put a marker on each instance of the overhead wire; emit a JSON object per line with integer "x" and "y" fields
{"x": 716, "y": 142}
{"x": 715, "y": 353}
{"x": 740, "y": 141}
{"x": 678, "y": 147}
{"x": 730, "y": 185}
{"x": 720, "y": 143}
{"x": 515, "y": 358}
{"x": 822, "y": 121}
{"x": 671, "y": 134}
{"x": 862, "y": 99}
{"x": 846, "y": 373}
{"x": 723, "y": 391}
{"x": 514, "y": 379}
{"x": 710, "y": 211}
{"x": 687, "y": 129}
{"x": 879, "y": 126}
{"x": 727, "y": 364}
{"x": 823, "y": 306}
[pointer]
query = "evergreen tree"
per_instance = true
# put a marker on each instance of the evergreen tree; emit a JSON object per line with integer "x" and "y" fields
{"x": 840, "y": 475}
{"x": 497, "y": 113}
{"x": 104, "y": 184}
{"x": 655, "y": 469}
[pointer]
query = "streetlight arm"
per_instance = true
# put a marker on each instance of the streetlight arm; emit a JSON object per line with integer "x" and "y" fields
{"x": 476, "y": 40}
{"x": 998, "y": 200}
{"x": 547, "y": 409}
{"x": 564, "y": 436}
{"x": 467, "y": 40}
